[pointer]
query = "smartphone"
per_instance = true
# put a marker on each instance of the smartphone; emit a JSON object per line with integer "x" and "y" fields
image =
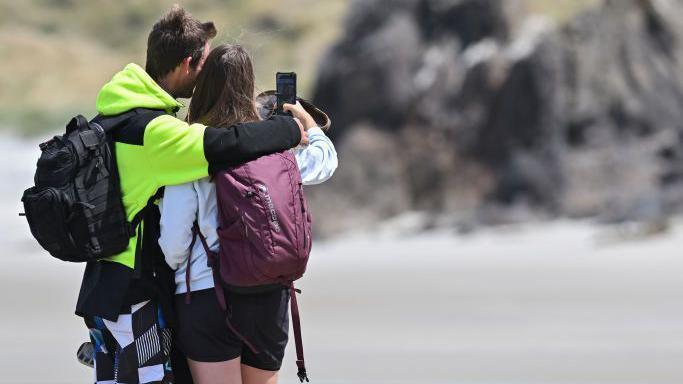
{"x": 285, "y": 88}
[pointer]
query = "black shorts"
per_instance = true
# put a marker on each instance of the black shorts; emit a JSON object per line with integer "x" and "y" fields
{"x": 262, "y": 318}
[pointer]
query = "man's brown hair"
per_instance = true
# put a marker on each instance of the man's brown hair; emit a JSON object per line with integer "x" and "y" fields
{"x": 174, "y": 37}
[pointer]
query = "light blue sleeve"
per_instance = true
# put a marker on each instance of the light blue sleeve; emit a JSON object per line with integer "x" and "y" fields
{"x": 178, "y": 213}
{"x": 318, "y": 161}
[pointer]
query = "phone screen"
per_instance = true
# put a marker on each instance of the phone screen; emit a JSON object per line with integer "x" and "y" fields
{"x": 286, "y": 88}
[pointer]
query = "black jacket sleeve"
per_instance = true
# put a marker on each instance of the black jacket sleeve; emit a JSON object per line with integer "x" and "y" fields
{"x": 224, "y": 147}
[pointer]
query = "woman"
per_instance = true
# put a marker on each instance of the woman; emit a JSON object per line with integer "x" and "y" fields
{"x": 224, "y": 96}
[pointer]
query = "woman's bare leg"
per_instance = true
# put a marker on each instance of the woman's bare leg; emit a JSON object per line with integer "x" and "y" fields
{"x": 224, "y": 372}
{"x": 251, "y": 375}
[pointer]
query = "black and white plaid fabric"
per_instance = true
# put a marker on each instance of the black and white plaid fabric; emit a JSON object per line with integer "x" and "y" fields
{"x": 133, "y": 350}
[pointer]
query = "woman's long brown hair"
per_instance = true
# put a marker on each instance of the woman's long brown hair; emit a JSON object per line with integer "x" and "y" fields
{"x": 224, "y": 94}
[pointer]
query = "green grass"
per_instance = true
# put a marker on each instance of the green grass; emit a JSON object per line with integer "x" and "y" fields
{"x": 560, "y": 10}
{"x": 56, "y": 54}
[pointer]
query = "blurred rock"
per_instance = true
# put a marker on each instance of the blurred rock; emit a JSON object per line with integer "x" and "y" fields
{"x": 477, "y": 105}
{"x": 369, "y": 183}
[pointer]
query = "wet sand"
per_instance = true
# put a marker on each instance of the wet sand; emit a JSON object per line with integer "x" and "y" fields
{"x": 542, "y": 304}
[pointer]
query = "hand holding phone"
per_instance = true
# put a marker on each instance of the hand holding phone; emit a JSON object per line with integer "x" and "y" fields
{"x": 297, "y": 111}
{"x": 285, "y": 83}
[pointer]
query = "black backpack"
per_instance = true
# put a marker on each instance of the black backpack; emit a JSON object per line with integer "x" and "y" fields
{"x": 75, "y": 209}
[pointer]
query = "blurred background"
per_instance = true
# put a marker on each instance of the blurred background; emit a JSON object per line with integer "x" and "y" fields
{"x": 507, "y": 206}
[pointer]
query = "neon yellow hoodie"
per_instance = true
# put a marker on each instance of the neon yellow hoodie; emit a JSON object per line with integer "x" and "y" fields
{"x": 168, "y": 151}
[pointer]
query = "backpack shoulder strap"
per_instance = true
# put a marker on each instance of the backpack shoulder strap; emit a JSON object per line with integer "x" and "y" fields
{"x": 202, "y": 238}
{"x": 188, "y": 274}
{"x": 142, "y": 116}
{"x": 213, "y": 261}
{"x": 135, "y": 228}
{"x": 76, "y": 123}
{"x": 137, "y": 219}
{"x": 136, "y": 118}
{"x": 296, "y": 326}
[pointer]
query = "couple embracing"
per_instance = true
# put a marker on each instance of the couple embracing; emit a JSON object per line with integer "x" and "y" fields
{"x": 159, "y": 298}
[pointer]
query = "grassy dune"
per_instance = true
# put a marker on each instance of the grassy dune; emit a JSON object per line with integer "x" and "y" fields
{"x": 57, "y": 53}
{"x": 560, "y": 10}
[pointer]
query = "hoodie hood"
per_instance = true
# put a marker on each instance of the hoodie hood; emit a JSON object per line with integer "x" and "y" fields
{"x": 133, "y": 88}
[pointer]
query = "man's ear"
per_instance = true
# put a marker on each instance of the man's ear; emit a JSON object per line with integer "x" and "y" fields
{"x": 185, "y": 65}
{"x": 205, "y": 55}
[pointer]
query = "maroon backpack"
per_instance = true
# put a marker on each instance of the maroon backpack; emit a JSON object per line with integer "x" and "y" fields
{"x": 264, "y": 232}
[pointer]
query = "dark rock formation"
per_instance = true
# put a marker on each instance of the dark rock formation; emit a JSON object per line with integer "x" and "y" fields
{"x": 465, "y": 106}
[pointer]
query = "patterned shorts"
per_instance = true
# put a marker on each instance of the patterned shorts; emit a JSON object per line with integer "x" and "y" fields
{"x": 135, "y": 349}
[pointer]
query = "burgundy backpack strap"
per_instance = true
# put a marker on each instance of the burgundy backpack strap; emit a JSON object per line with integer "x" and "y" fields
{"x": 296, "y": 325}
{"x": 213, "y": 262}
{"x": 195, "y": 231}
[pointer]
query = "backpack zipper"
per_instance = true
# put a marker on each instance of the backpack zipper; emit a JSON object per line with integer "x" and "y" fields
{"x": 303, "y": 214}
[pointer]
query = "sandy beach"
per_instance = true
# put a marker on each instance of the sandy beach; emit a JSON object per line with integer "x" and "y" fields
{"x": 539, "y": 304}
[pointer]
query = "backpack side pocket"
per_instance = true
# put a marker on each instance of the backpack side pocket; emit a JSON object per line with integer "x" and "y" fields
{"x": 48, "y": 212}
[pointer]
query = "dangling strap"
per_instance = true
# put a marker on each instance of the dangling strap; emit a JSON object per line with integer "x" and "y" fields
{"x": 296, "y": 325}
{"x": 195, "y": 230}
{"x": 137, "y": 219}
{"x": 136, "y": 228}
{"x": 213, "y": 261}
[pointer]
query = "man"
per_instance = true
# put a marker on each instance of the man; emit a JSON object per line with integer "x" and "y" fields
{"x": 125, "y": 300}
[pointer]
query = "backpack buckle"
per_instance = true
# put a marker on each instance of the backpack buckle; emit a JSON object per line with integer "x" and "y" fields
{"x": 301, "y": 373}
{"x": 89, "y": 139}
